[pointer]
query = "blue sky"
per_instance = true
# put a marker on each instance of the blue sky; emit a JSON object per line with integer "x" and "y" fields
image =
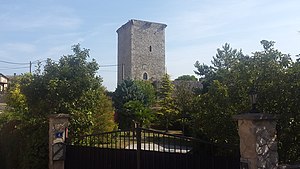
{"x": 38, "y": 29}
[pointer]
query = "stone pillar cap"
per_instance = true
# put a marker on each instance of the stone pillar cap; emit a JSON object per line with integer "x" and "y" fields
{"x": 254, "y": 116}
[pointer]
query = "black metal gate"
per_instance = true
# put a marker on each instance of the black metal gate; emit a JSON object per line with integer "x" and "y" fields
{"x": 147, "y": 149}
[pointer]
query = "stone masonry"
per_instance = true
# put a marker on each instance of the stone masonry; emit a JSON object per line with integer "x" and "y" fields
{"x": 58, "y": 123}
{"x": 258, "y": 145}
{"x": 141, "y": 50}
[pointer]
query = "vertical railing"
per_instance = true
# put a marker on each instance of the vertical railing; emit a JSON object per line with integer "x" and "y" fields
{"x": 143, "y": 143}
{"x": 139, "y": 146}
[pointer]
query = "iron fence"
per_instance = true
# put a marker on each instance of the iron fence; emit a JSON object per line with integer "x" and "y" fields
{"x": 147, "y": 148}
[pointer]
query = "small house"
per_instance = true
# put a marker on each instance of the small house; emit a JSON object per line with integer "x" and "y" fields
{"x": 3, "y": 83}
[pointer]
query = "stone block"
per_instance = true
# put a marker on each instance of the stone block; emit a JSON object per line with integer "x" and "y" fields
{"x": 258, "y": 143}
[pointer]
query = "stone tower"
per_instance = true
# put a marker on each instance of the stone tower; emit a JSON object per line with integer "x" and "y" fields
{"x": 141, "y": 51}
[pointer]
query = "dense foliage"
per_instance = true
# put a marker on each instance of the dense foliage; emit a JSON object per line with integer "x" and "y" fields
{"x": 274, "y": 75}
{"x": 167, "y": 110}
{"x": 68, "y": 86}
{"x": 71, "y": 86}
{"x": 187, "y": 78}
{"x": 132, "y": 101}
{"x": 184, "y": 95}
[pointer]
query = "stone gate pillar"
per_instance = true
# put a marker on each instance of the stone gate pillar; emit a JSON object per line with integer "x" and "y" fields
{"x": 258, "y": 145}
{"x": 58, "y": 124}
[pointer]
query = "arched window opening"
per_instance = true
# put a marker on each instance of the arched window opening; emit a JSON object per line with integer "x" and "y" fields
{"x": 150, "y": 48}
{"x": 145, "y": 76}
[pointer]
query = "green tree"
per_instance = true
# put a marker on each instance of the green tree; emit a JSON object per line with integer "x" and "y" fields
{"x": 148, "y": 90}
{"x": 212, "y": 116}
{"x": 70, "y": 86}
{"x": 127, "y": 91}
{"x": 222, "y": 63}
{"x": 167, "y": 109}
{"x": 140, "y": 113}
{"x": 187, "y": 78}
{"x": 226, "y": 57}
{"x": 183, "y": 98}
{"x": 276, "y": 78}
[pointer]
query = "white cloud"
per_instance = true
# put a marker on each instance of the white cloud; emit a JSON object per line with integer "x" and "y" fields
{"x": 48, "y": 17}
{"x": 219, "y": 18}
{"x": 195, "y": 34}
{"x": 55, "y": 52}
{"x": 56, "y": 38}
{"x": 19, "y": 47}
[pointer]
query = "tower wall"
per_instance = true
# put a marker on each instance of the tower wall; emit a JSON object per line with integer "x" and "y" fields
{"x": 141, "y": 50}
{"x": 124, "y": 52}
